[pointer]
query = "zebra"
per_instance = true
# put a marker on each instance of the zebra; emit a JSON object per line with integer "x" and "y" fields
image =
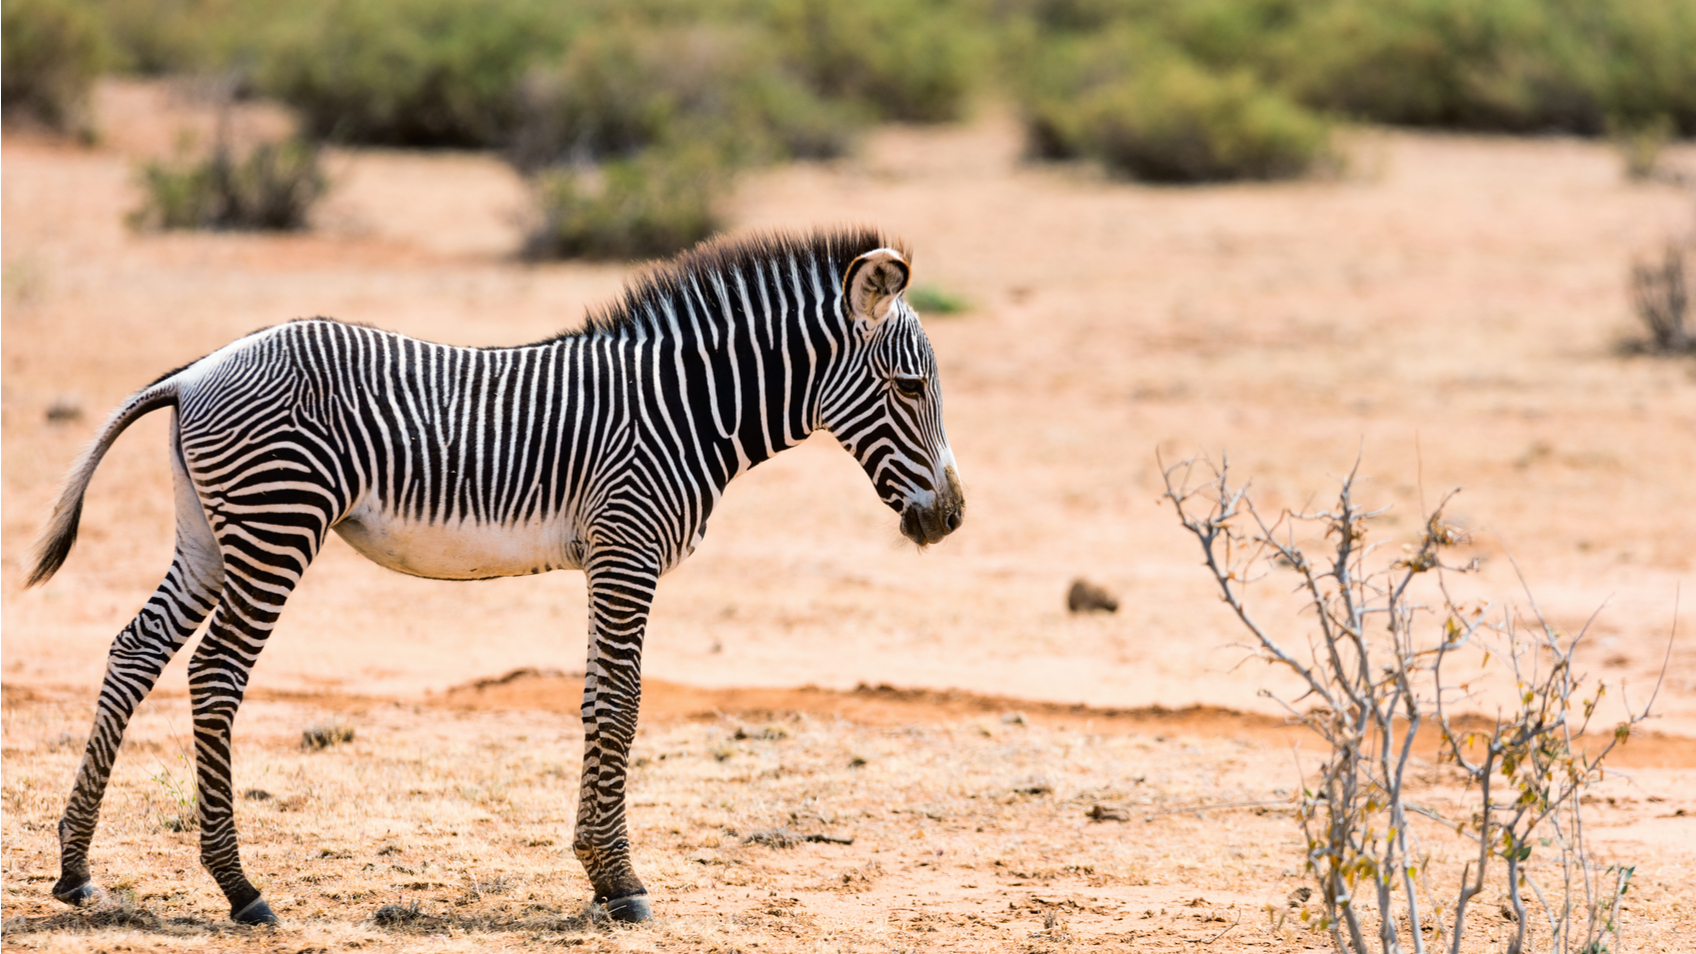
{"x": 604, "y": 450}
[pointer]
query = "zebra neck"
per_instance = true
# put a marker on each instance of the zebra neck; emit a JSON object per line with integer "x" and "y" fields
{"x": 737, "y": 365}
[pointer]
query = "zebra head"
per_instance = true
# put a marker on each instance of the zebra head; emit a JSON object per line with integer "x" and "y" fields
{"x": 889, "y": 408}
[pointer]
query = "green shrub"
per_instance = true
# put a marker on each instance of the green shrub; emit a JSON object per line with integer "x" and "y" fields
{"x": 618, "y": 90}
{"x": 157, "y": 37}
{"x": 1147, "y": 111}
{"x": 906, "y": 59}
{"x": 935, "y": 300}
{"x": 1178, "y": 123}
{"x": 52, "y": 52}
{"x": 411, "y": 72}
{"x": 1648, "y": 70}
{"x": 1509, "y": 65}
{"x": 1480, "y": 64}
{"x": 272, "y": 188}
{"x": 655, "y": 203}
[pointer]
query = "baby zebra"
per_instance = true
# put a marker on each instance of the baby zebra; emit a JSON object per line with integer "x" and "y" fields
{"x": 602, "y": 450}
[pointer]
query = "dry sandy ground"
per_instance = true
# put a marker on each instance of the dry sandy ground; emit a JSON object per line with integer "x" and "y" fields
{"x": 1449, "y": 309}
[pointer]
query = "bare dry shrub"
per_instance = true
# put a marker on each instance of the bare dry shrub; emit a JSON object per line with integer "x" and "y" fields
{"x": 1661, "y": 296}
{"x": 1373, "y": 675}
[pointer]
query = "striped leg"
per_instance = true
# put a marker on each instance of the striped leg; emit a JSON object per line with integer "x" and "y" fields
{"x": 621, "y": 588}
{"x": 264, "y": 557}
{"x": 138, "y": 656}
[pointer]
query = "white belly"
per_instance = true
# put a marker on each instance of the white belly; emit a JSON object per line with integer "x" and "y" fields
{"x": 460, "y": 550}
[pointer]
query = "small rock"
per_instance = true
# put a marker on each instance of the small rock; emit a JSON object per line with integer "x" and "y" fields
{"x": 64, "y": 410}
{"x": 1103, "y": 813}
{"x": 1086, "y": 597}
{"x": 1034, "y": 786}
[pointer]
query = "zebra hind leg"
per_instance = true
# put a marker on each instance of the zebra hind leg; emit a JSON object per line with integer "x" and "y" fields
{"x": 264, "y": 562}
{"x": 138, "y": 655}
{"x": 217, "y": 680}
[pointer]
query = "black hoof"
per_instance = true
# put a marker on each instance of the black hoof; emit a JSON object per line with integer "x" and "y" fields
{"x": 631, "y": 909}
{"x": 256, "y": 912}
{"x": 78, "y": 895}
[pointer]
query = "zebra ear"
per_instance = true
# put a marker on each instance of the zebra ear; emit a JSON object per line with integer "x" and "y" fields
{"x": 873, "y": 282}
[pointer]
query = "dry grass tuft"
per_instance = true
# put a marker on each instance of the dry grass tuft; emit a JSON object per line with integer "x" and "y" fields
{"x": 324, "y": 735}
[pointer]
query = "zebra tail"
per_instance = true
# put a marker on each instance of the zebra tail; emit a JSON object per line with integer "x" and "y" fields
{"x": 60, "y": 534}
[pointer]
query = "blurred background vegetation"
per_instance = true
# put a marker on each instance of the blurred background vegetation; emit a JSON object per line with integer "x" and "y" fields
{"x": 630, "y": 114}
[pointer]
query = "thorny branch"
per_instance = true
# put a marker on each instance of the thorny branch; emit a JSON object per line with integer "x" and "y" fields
{"x": 1368, "y": 691}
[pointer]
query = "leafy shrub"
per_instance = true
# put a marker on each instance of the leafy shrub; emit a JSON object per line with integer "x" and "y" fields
{"x": 156, "y": 37}
{"x": 411, "y": 72}
{"x": 618, "y": 90}
{"x": 272, "y": 188}
{"x": 907, "y": 60}
{"x": 935, "y": 300}
{"x": 1510, "y": 65}
{"x": 1482, "y": 64}
{"x": 655, "y": 203}
{"x": 52, "y": 53}
{"x": 1648, "y": 72}
{"x": 1146, "y": 110}
{"x": 1640, "y": 146}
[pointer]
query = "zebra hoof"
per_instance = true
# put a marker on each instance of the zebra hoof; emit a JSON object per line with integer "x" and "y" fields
{"x": 78, "y": 895}
{"x": 256, "y": 912}
{"x": 631, "y": 909}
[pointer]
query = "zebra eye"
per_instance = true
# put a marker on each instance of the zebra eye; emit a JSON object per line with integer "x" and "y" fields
{"x": 912, "y": 387}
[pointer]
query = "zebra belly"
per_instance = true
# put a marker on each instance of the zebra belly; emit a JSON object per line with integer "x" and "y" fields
{"x": 458, "y": 549}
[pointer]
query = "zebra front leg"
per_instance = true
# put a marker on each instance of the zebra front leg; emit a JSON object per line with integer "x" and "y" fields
{"x": 621, "y": 588}
{"x": 138, "y": 655}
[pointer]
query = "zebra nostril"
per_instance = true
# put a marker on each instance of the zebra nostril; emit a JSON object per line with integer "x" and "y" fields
{"x": 954, "y": 521}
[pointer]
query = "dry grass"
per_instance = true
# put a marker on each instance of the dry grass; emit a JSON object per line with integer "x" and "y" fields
{"x": 438, "y": 830}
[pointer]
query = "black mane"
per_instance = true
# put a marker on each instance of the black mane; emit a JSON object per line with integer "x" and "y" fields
{"x": 667, "y": 280}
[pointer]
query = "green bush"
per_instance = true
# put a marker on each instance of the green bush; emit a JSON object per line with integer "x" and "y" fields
{"x": 272, "y": 188}
{"x": 52, "y": 52}
{"x": 1513, "y": 65}
{"x": 618, "y": 90}
{"x": 1648, "y": 70}
{"x": 655, "y": 203}
{"x": 1478, "y": 64}
{"x": 935, "y": 300}
{"x": 1147, "y": 111}
{"x": 906, "y": 59}
{"x": 411, "y": 72}
{"x": 158, "y": 37}
{"x": 1508, "y": 65}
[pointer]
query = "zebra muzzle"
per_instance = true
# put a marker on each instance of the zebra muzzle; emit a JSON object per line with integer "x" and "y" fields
{"x": 927, "y": 525}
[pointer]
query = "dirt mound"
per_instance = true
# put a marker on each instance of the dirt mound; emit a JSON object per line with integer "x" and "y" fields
{"x": 552, "y": 690}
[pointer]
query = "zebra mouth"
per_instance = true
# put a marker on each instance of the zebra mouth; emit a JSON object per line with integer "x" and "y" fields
{"x": 925, "y": 526}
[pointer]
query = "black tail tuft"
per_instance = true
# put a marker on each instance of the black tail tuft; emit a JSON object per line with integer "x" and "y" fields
{"x": 55, "y": 548}
{"x": 61, "y": 532}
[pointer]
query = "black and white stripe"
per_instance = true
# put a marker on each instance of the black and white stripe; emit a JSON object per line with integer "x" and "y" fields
{"x": 603, "y": 450}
